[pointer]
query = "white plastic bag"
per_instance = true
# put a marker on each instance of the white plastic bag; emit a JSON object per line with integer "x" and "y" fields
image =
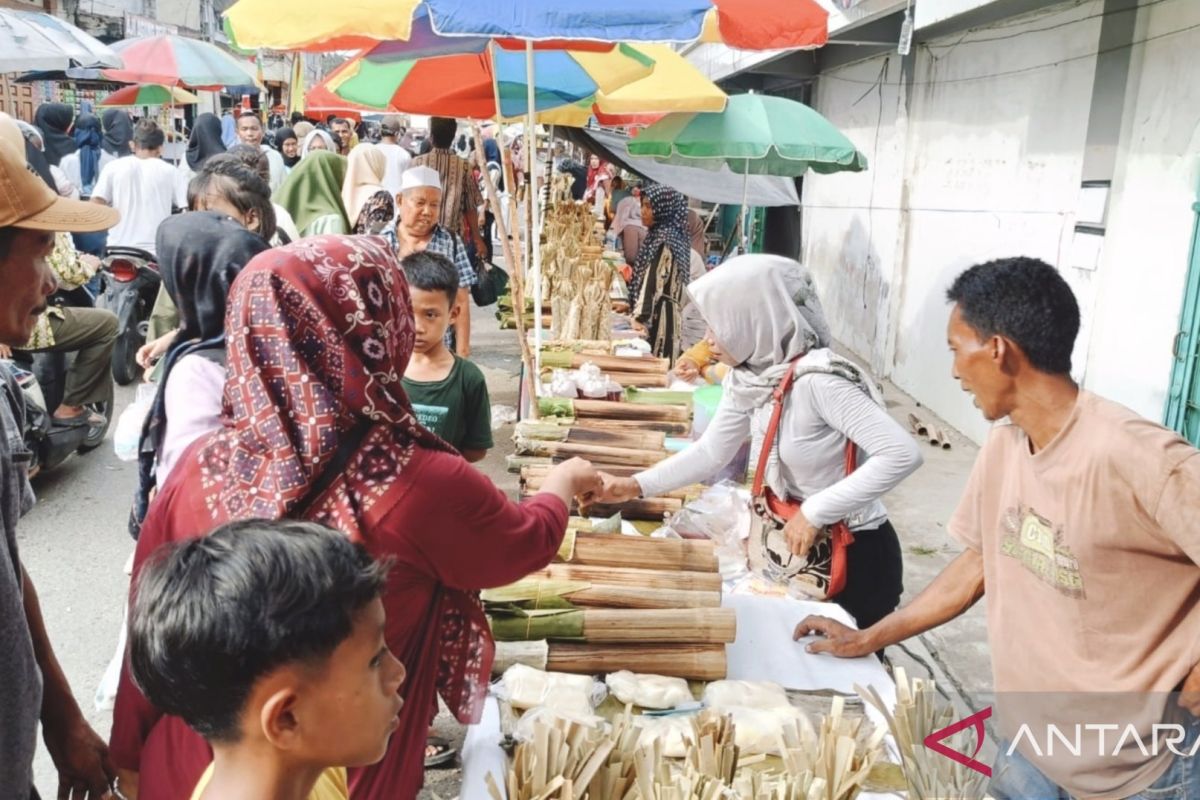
{"x": 129, "y": 425}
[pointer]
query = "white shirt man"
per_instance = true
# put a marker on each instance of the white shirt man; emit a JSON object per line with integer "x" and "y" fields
{"x": 142, "y": 188}
{"x": 398, "y": 159}
{"x": 250, "y": 131}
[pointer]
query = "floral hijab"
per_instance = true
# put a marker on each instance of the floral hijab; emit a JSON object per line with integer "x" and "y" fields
{"x": 320, "y": 333}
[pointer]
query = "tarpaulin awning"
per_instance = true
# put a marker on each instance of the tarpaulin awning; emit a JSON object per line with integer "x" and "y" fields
{"x": 711, "y": 186}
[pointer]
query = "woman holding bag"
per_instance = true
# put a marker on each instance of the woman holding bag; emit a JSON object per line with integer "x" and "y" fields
{"x": 765, "y": 322}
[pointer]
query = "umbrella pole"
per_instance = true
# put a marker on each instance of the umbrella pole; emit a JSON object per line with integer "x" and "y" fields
{"x": 742, "y": 217}
{"x": 510, "y": 257}
{"x": 535, "y": 232}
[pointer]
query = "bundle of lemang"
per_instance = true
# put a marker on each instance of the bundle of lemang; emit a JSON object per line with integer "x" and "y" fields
{"x": 600, "y": 611}
{"x": 565, "y": 759}
{"x": 629, "y": 371}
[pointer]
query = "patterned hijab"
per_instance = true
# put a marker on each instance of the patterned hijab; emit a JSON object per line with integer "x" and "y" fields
{"x": 320, "y": 333}
{"x": 669, "y": 230}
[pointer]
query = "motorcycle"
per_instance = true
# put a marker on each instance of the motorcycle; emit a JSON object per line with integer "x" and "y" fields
{"x": 42, "y": 378}
{"x": 131, "y": 281}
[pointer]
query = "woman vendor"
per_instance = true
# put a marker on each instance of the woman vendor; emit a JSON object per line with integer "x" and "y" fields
{"x": 765, "y": 321}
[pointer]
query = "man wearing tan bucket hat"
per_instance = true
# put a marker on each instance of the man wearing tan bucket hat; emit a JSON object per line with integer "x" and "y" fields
{"x": 34, "y": 687}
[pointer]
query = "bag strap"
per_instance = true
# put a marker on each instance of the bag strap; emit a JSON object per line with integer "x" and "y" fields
{"x": 764, "y": 455}
{"x": 336, "y": 466}
{"x": 779, "y": 395}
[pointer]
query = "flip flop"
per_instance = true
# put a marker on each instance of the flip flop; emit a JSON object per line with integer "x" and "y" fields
{"x": 445, "y": 753}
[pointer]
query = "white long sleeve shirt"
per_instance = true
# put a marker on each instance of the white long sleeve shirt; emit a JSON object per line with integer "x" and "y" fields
{"x": 821, "y": 412}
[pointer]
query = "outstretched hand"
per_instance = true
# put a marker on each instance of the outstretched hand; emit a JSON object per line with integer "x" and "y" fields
{"x": 839, "y": 640}
{"x": 618, "y": 490}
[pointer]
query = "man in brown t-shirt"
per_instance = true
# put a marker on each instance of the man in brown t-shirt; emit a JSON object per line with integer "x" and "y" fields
{"x": 1081, "y": 519}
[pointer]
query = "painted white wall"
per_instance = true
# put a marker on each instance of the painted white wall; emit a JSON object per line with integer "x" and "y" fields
{"x": 1150, "y": 216}
{"x": 851, "y": 220}
{"x": 994, "y": 171}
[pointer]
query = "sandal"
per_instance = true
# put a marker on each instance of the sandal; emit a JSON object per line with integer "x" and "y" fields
{"x": 443, "y": 752}
{"x": 84, "y": 419}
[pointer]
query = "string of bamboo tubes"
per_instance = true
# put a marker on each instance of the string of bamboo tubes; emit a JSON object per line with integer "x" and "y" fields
{"x": 615, "y": 550}
{"x": 691, "y": 581}
{"x": 694, "y": 662}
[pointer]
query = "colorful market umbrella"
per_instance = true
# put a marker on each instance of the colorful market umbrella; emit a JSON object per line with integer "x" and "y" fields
{"x": 149, "y": 95}
{"x": 675, "y": 85}
{"x": 756, "y": 134}
{"x": 178, "y": 61}
{"x": 468, "y": 84}
{"x": 32, "y": 40}
{"x": 315, "y": 25}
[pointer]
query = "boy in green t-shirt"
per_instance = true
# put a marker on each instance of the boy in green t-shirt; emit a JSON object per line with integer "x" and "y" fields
{"x": 448, "y": 393}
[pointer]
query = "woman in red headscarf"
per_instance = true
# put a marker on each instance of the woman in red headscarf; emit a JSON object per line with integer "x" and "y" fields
{"x": 319, "y": 333}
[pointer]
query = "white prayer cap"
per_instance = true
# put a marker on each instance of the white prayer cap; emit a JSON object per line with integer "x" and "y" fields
{"x": 419, "y": 178}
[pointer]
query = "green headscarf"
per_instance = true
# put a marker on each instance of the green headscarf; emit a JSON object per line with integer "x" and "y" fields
{"x": 314, "y": 190}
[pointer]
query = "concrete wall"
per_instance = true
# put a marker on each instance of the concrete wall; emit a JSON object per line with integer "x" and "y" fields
{"x": 1144, "y": 264}
{"x": 851, "y": 220}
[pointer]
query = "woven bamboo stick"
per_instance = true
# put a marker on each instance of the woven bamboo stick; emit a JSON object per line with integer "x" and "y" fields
{"x": 592, "y": 452}
{"x": 688, "y": 625}
{"x": 610, "y": 596}
{"x": 636, "y": 578}
{"x": 641, "y": 380}
{"x": 651, "y": 509}
{"x": 697, "y": 662}
{"x": 615, "y": 550}
{"x": 606, "y": 409}
{"x": 676, "y": 429}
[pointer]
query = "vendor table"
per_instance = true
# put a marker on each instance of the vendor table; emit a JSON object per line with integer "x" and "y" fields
{"x": 763, "y": 651}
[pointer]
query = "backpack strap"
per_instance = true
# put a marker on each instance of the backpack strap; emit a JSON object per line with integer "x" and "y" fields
{"x": 337, "y": 465}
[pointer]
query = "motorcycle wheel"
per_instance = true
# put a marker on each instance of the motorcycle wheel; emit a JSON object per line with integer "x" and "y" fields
{"x": 125, "y": 368}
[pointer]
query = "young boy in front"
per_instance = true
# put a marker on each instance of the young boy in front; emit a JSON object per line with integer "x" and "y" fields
{"x": 448, "y": 393}
{"x": 267, "y": 638}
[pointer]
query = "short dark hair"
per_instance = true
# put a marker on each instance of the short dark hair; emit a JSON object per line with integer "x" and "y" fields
{"x": 1025, "y": 300}
{"x": 211, "y": 616}
{"x": 253, "y": 157}
{"x": 148, "y": 136}
{"x": 442, "y": 131}
{"x": 249, "y": 115}
{"x": 340, "y": 121}
{"x": 431, "y": 272}
{"x": 242, "y": 186}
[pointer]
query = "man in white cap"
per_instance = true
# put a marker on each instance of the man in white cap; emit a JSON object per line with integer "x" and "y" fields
{"x": 34, "y": 687}
{"x": 420, "y": 207}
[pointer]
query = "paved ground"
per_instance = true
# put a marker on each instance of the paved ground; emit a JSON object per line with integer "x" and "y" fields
{"x": 74, "y": 545}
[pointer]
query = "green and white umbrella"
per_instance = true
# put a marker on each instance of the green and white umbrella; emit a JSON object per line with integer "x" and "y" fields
{"x": 756, "y": 134}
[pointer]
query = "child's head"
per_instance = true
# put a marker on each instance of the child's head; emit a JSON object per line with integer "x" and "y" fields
{"x": 269, "y": 635}
{"x": 227, "y": 185}
{"x": 433, "y": 285}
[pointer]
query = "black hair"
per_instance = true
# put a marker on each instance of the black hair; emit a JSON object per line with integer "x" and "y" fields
{"x": 253, "y": 157}
{"x": 251, "y": 115}
{"x": 211, "y": 616}
{"x": 242, "y": 186}
{"x": 431, "y": 272}
{"x": 441, "y": 132}
{"x": 148, "y": 136}
{"x": 297, "y": 117}
{"x": 1025, "y": 300}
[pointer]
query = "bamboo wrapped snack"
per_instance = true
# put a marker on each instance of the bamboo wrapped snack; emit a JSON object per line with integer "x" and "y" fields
{"x": 651, "y": 509}
{"x": 560, "y": 359}
{"x": 607, "y": 409}
{"x": 674, "y": 429}
{"x": 695, "y": 662}
{"x": 636, "y": 578}
{"x": 592, "y": 452}
{"x": 616, "y": 626}
{"x": 631, "y": 438}
{"x": 535, "y": 592}
{"x": 640, "y": 380}
{"x": 533, "y": 483}
{"x": 615, "y": 550}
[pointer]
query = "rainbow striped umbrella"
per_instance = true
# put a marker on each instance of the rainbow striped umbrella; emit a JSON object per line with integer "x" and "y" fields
{"x": 177, "y": 61}
{"x": 151, "y": 94}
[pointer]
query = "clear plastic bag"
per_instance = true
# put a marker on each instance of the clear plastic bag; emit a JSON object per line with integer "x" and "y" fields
{"x": 722, "y": 514}
{"x": 128, "y": 432}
